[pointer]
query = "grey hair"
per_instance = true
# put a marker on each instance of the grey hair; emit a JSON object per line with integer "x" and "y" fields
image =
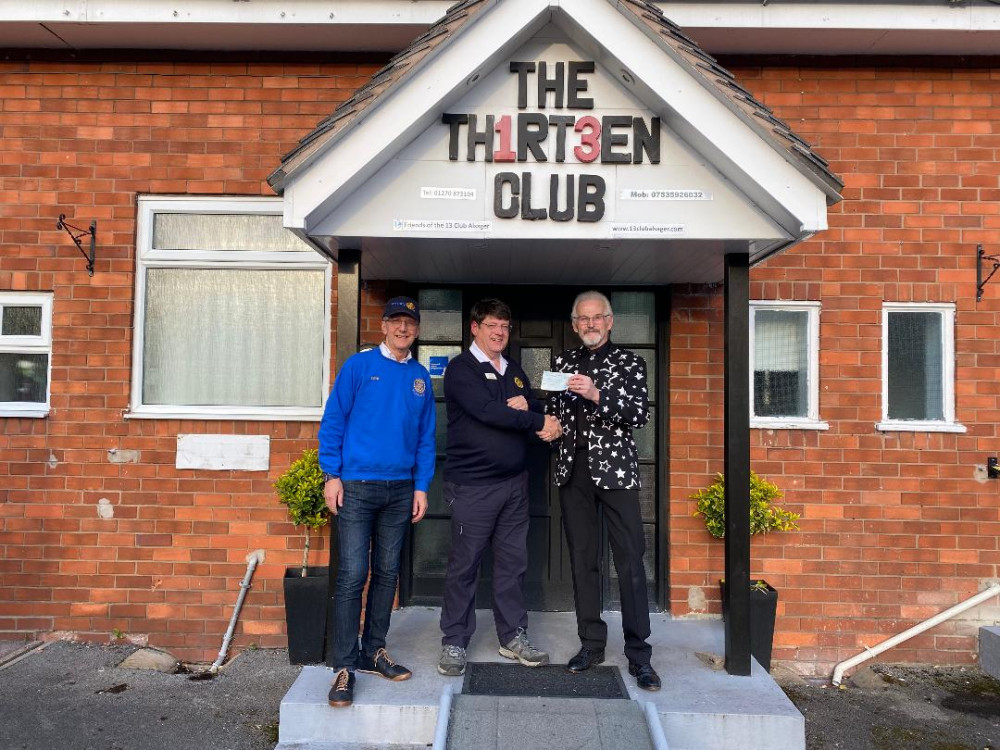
{"x": 589, "y": 296}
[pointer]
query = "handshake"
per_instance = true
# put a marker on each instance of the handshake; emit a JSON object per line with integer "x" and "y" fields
{"x": 552, "y": 429}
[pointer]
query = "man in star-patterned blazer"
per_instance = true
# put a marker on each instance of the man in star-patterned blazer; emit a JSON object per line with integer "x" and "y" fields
{"x": 598, "y": 466}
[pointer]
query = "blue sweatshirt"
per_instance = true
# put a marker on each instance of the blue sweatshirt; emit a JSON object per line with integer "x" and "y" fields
{"x": 487, "y": 440}
{"x": 379, "y": 421}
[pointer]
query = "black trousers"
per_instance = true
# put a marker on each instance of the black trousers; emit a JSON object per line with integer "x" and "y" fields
{"x": 486, "y": 515}
{"x": 580, "y": 499}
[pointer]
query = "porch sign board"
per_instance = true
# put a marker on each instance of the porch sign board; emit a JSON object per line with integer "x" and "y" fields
{"x": 610, "y": 139}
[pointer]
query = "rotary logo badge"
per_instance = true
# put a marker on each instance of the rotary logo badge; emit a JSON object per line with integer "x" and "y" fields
{"x": 410, "y": 306}
{"x": 419, "y": 386}
{"x": 518, "y": 382}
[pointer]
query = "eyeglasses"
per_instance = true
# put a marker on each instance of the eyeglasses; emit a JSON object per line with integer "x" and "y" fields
{"x": 401, "y": 321}
{"x": 494, "y": 327}
{"x": 588, "y": 319}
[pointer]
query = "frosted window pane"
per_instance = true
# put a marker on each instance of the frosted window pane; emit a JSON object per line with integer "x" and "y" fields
{"x": 248, "y": 232}
{"x": 645, "y": 438}
{"x": 635, "y": 321}
{"x": 233, "y": 337}
{"x": 915, "y": 366}
{"x": 22, "y": 321}
{"x": 781, "y": 363}
{"x": 440, "y": 314}
{"x": 534, "y": 361}
{"x": 24, "y": 377}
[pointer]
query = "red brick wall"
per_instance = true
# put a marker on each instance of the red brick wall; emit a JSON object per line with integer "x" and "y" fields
{"x": 86, "y": 139}
{"x": 895, "y": 527}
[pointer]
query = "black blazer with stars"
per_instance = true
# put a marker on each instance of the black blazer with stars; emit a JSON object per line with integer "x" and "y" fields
{"x": 612, "y": 456}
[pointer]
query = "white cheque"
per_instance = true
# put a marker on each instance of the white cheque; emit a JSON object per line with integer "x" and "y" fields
{"x": 555, "y": 381}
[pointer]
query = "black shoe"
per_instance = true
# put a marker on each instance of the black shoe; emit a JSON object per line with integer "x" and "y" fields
{"x": 342, "y": 692}
{"x": 383, "y": 665}
{"x": 645, "y": 676}
{"x": 585, "y": 659}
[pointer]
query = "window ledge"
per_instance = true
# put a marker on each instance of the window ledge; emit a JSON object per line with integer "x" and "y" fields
{"x": 788, "y": 424}
{"x": 917, "y": 426}
{"x": 234, "y": 415}
{"x": 24, "y": 413}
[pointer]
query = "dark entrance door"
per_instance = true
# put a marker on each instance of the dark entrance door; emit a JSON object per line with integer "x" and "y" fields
{"x": 541, "y": 330}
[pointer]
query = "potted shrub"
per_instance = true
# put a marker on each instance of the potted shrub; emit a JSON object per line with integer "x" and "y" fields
{"x": 765, "y": 517}
{"x": 300, "y": 489}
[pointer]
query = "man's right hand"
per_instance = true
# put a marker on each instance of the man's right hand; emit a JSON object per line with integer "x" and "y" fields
{"x": 333, "y": 491}
{"x": 552, "y": 430}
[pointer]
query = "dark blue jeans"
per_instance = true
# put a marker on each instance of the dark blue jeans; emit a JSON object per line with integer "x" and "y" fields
{"x": 373, "y": 520}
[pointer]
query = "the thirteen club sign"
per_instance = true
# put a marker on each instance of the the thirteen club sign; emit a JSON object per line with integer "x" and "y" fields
{"x": 579, "y": 138}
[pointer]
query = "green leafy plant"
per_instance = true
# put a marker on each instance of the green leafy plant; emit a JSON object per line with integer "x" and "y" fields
{"x": 765, "y": 516}
{"x": 301, "y": 489}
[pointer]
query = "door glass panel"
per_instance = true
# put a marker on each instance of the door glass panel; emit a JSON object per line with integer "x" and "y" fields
{"x": 535, "y": 360}
{"x": 647, "y": 494}
{"x": 435, "y": 358}
{"x": 441, "y": 429}
{"x": 435, "y": 494}
{"x": 645, "y": 439}
{"x": 635, "y": 322}
{"x": 440, "y": 314}
{"x": 431, "y": 543}
{"x": 535, "y": 328}
{"x": 24, "y": 377}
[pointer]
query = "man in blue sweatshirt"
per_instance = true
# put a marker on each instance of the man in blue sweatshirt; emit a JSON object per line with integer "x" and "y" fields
{"x": 491, "y": 417}
{"x": 376, "y": 449}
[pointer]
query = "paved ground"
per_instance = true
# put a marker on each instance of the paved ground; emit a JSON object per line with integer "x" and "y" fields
{"x": 70, "y": 696}
{"x": 888, "y": 707}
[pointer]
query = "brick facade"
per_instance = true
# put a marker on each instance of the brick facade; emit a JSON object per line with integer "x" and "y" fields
{"x": 895, "y": 526}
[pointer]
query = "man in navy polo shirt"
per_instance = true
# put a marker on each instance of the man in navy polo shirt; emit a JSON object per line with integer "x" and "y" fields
{"x": 491, "y": 418}
{"x": 376, "y": 449}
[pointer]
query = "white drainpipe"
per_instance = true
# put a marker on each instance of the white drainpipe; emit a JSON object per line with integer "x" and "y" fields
{"x": 253, "y": 558}
{"x": 982, "y": 596}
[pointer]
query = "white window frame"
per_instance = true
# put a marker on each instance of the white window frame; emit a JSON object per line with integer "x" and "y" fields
{"x": 811, "y": 421}
{"x": 147, "y": 258}
{"x": 948, "y": 424}
{"x": 41, "y": 344}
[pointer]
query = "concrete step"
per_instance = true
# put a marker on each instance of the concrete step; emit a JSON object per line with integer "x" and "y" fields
{"x": 989, "y": 650}
{"x": 698, "y": 708}
{"x": 483, "y": 722}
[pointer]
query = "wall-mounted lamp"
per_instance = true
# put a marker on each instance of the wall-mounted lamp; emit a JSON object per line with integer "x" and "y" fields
{"x": 980, "y": 281}
{"x": 76, "y": 233}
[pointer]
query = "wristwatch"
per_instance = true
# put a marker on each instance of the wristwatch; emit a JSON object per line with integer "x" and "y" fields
{"x": 328, "y": 477}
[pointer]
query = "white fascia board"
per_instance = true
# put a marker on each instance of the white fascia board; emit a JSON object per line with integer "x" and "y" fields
{"x": 364, "y": 12}
{"x": 701, "y": 116}
{"x": 373, "y": 138}
{"x": 936, "y": 15}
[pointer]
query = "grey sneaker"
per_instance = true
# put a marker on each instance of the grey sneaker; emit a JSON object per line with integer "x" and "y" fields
{"x": 520, "y": 649}
{"x": 452, "y": 662}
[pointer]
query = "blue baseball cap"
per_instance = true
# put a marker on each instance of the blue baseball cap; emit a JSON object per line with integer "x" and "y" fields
{"x": 401, "y": 306}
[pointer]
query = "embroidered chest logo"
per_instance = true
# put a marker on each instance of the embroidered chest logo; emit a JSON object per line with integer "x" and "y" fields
{"x": 374, "y": 377}
{"x": 518, "y": 382}
{"x": 419, "y": 386}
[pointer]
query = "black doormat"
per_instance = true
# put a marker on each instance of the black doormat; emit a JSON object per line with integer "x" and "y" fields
{"x": 554, "y": 681}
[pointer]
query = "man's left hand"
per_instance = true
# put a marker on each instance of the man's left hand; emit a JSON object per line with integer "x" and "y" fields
{"x": 583, "y": 386}
{"x": 518, "y": 402}
{"x": 419, "y": 505}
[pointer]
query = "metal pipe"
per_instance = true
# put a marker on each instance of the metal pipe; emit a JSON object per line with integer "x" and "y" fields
{"x": 444, "y": 714}
{"x": 868, "y": 653}
{"x": 252, "y": 559}
{"x": 655, "y": 727}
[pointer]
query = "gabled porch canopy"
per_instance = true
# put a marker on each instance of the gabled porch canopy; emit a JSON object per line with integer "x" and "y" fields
{"x": 394, "y": 172}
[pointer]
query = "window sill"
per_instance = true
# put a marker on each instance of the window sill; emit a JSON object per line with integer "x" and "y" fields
{"x": 788, "y": 424}
{"x": 24, "y": 413}
{"x": 229, "y": 415}
{"x": 916, "y": 426}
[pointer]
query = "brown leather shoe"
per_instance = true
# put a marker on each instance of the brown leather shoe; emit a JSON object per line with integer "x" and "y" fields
{"x": 342, "y": 692}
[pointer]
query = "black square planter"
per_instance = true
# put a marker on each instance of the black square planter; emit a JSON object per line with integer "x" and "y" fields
{"x": 305, "y": 613}
{"x": 763, "y": 609}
